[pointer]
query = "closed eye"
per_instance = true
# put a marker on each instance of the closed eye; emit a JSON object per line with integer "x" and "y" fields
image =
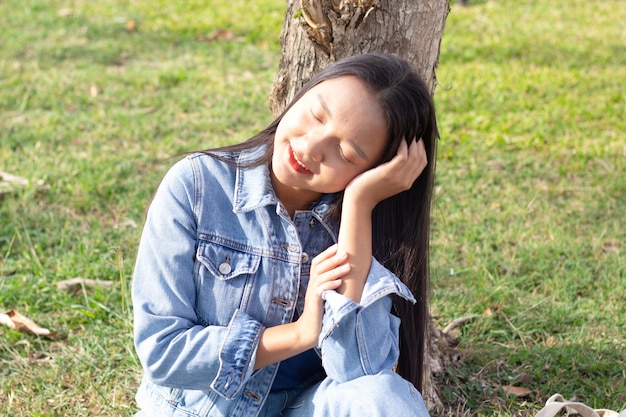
{"x": 343, "y": 155}
{"x": 315, "y": 116}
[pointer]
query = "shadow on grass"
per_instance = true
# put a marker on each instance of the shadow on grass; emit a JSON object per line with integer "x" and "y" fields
{"x": 474, "y": 384}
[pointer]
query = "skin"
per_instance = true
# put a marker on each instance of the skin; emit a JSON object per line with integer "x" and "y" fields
{"x": 331, "y": 140}
{"x": 336, "y": 131}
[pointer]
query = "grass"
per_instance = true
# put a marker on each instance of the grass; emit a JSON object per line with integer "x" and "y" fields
{"x": 97, "y": 99}
{"x": 531, "y": 200}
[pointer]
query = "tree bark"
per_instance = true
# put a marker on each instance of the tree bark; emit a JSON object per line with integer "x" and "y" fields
{"x": 318, "y": 32}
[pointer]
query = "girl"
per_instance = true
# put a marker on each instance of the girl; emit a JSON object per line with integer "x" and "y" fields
{"x": 272, "y": 275}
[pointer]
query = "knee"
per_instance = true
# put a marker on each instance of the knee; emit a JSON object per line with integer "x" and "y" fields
{"x": 383, "y": 394}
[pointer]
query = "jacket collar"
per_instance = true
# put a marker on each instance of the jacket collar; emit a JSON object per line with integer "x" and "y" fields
{"x": 254, "y": 189}
{"x": 253, "y": 186}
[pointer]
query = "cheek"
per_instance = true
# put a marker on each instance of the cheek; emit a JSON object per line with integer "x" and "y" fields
{"x": 342, "y": 177}
{"x": 291, "y": 120}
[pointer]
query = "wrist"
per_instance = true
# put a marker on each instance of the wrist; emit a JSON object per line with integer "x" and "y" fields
{"x": 305, "y": 337}
{"x": 360, "y": 202}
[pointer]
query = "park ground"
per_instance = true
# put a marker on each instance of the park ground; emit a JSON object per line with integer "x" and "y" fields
{"x": 97, "y": 99}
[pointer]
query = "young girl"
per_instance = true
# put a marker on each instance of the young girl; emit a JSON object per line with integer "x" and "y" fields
{"x": 272, "y": 275}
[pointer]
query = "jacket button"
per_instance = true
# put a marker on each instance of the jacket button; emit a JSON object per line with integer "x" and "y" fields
{"x": 224, "y": 268}
{"x": 304, "y": 258}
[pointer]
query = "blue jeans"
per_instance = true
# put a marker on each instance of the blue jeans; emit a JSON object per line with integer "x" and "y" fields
{"x": 384, "y": 394}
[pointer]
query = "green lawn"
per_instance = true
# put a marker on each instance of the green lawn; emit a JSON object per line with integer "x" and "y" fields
{"x": 97, "y": 99}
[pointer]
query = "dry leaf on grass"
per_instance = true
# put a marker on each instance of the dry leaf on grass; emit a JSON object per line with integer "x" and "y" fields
{"x": 66, "y": 12}
{"x": 77, "y": 284}
{"x": 131, "y": 25}
{"x": 522, "y": 378}
{"x": 610, "y": 247}
{"x": 9, "y": 181}
{"x": 218, "y": 35}
{"x": 496, "y": 310}
{"x": 516, "y": 391}
{"x": 15, "y": 320}
{"x": 39, "y": 358}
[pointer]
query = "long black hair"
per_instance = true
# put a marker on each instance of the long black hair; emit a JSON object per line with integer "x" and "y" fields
{"x": 401, "y": 224}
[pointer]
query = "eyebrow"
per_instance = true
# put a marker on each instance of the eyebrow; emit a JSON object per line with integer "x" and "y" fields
{"x": 353, "y": 144}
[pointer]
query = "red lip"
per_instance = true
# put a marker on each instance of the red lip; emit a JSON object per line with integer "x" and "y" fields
{"x": 295, "y": 164}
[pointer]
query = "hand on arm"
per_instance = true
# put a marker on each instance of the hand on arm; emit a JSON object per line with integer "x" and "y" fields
{"x": 284, "y": 341}
{"x": 361, "y": 196}
{"x": 343, "y": 267}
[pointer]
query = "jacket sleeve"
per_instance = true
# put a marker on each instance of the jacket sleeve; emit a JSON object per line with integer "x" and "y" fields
{"x": 175, "y": 348}
{"x": 362, "y": 339}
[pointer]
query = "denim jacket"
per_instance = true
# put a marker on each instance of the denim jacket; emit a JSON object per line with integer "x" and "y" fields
{"x": 219, "y": 261}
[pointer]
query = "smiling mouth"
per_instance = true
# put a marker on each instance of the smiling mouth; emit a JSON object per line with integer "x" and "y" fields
{"x": 296, "y": 163}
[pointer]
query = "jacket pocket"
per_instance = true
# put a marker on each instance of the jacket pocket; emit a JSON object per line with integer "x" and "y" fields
{"x": 223, "y": 281}
{"x": 157, "y": 400}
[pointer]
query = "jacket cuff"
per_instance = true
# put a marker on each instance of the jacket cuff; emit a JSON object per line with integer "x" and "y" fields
{"x": 360, "y": 339}
{"x": 237, "y": 355}
{"x": 380, "y": 283}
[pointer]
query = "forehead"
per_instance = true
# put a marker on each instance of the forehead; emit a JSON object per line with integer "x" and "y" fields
{"x": 345, "y": 87}
{"x": 354, "y": 110}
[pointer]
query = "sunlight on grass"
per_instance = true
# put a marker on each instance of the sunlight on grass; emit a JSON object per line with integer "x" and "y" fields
{"x": 98, "y": 99}
{"x": 529, "y": 222}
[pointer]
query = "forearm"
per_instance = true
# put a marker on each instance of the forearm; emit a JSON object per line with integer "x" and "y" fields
{"x": 355, "y": 238}
{"x": 361, "y": 195}
{"x": 281, "y": 342}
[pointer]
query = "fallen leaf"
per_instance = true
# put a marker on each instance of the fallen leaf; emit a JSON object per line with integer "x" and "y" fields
{"x": 9, "y": 181}
{"x": 15, "y": 320}
{"x": 516, "y": 391}
{"x": 610, "y": 247}
{"x": 218, "y": 34}
{"x": 38, "y": 358}
{"x": 67, "y": 12}
{"x": 77, "y": 284}
{"x": 126, "y": 223}
{"x": 494, "y": 310}
{"x": 522, "y": 379}
{"x": 497, "y": 165}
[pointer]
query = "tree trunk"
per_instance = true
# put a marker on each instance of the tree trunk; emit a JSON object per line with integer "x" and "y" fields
{"x": 318, "y": 32}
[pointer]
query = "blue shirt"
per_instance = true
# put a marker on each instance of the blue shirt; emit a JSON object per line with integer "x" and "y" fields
{"x": 294, "y": 371}
{"x": 219, "y": 261}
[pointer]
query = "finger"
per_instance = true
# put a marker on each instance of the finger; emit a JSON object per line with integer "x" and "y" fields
{"x": 399, "y": 159}
{"x": 409, "y": 163}
{"x": 419, "y": 150}
{"x": 329, "y": 259}
{"x": 325, "y": 255}
{"x": 330, "y": 271}
{"x": 403, "y": 147}
{"x": 420, "y": 156}
{"x": 329, "y": 285}
{"x": 406, "y": 157}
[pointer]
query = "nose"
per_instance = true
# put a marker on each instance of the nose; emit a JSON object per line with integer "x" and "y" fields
{"x": 315, "y": 144}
